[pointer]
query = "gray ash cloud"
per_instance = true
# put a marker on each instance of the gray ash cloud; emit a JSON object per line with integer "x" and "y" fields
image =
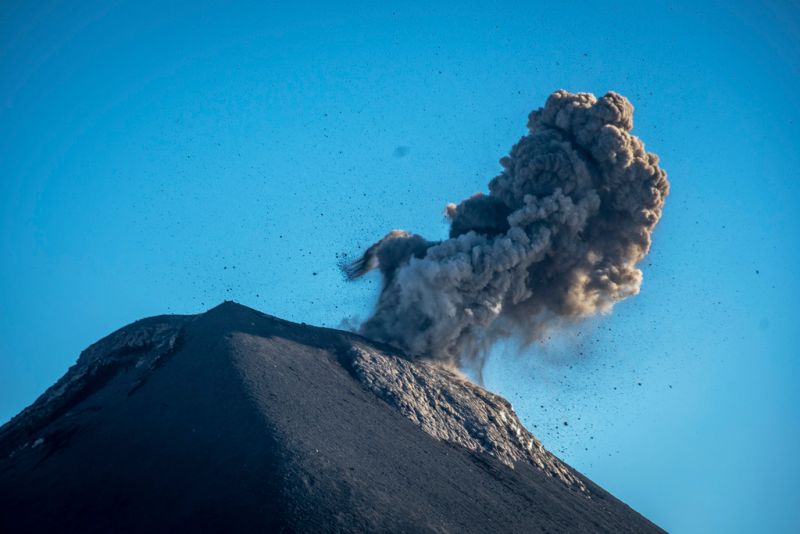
{"x": 558, "y": 236}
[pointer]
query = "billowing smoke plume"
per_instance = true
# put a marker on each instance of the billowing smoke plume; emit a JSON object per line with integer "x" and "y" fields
{"x": 558, "y": 236}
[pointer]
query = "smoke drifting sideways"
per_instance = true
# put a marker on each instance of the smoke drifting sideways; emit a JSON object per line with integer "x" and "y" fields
{"x": 558, "y": 237}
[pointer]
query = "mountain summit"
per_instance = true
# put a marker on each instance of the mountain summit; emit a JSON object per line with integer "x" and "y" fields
{"x": 234, "y": 421}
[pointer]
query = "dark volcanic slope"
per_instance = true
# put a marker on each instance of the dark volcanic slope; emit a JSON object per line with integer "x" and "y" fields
{"x": 237, "y": 421}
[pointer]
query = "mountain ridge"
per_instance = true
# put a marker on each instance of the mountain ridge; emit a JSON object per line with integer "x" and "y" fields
{"x": 297, "y": 427}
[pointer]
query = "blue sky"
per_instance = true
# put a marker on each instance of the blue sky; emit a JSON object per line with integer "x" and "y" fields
{"x": 162, "y": 159}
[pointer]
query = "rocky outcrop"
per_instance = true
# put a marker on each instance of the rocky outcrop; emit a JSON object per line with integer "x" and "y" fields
{"x": 449, "y": 407}
{"x": 139, "y": 348}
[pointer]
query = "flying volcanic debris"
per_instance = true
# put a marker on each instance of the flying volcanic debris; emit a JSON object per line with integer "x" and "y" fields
{"x": 558, "y": 236}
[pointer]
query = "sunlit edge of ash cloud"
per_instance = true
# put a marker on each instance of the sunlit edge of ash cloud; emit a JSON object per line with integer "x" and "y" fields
{"x": 557, "y": 238}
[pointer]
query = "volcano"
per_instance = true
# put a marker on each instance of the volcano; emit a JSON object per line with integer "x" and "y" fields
{"x": 236, "y": 421}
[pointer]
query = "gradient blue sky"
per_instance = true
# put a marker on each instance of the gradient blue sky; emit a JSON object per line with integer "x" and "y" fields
{"x": 159, "y": 159}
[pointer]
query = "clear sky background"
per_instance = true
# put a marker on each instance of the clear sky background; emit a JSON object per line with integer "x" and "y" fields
{"x": 160, "y": 159}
